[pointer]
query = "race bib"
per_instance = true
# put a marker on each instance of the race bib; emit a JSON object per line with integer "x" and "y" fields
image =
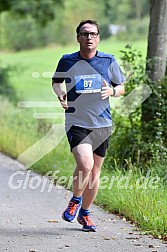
{"x": 88, "y": 83}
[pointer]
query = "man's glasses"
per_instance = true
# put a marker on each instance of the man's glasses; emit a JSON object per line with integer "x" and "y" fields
{"x": 86, "y": 34}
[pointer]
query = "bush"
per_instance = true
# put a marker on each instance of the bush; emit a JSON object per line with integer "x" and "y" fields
{"x": 135, "y": 143}
{"x": 20, "y": 34}
{"x": 5, "y": 88}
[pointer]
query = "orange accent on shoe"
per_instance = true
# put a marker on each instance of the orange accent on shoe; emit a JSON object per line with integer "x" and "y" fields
{"x": 88, "y": 220}
{"x": 72, "y": 207}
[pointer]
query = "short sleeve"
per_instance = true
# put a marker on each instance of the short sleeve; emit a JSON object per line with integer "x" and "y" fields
{"x": 57, "y": 76}
{"x": 115, "y": 74}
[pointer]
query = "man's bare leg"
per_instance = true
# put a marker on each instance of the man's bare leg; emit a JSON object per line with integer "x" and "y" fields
{"x": 92, "y": 187}
{"x": 89, "y": 194}
{"x": 84, "y": 158}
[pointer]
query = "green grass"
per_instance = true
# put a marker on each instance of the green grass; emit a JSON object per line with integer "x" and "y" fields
{"x": 19, "y": 130}
{"x": 139, "y": 198}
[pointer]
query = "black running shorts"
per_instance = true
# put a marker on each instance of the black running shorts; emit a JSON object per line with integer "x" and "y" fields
{"x": 98, "y": 138}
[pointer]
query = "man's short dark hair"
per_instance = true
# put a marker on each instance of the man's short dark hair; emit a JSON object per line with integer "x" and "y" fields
{"x": 88, "y": 21}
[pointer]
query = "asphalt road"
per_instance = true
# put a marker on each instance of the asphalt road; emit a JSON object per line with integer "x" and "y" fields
{"x": 30, "y": 219}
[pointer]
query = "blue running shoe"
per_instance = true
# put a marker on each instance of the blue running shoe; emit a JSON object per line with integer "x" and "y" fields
{"x": 87, "y": 223}
{"x": 70, "y": 212}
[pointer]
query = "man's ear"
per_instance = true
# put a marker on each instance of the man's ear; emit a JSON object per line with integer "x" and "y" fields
{"x": 99, "y": 38}
{"x": 77, "y": 38}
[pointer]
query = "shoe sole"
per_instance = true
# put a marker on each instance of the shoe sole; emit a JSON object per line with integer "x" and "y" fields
{"x": 89, "y": 230}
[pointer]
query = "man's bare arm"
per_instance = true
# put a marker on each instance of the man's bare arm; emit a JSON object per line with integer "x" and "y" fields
{"x": 61, "y": 94}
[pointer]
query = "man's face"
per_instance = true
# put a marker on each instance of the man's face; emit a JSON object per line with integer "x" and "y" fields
{"x": 88, "y": 37}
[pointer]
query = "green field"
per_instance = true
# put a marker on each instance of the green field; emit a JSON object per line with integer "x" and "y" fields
{"x": 146, "y": 206}
{"x": 45, "y": 60}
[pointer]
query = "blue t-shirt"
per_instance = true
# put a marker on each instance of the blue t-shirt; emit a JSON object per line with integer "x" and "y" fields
{"x": 84, "y": 80}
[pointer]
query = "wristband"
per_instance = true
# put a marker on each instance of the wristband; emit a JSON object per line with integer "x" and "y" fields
{"x": 114, "y": 92}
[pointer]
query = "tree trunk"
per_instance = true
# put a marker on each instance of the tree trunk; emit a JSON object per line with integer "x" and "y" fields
{"x": 156, "y": 53}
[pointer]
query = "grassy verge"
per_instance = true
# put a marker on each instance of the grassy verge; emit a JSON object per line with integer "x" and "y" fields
{"x": 129, "y": 193}
{"x": 139, "y": 197}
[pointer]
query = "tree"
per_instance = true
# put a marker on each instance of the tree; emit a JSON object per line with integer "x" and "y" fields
{"x": 156, "y": 54}
{"x": 154, "y": 113}
{"x": 157, "y": 39}
{"x": 41, "y": 10}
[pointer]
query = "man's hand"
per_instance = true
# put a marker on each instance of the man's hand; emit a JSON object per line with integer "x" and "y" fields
{"x": 106, "y": 90}
{"x": 62, "y": 99}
